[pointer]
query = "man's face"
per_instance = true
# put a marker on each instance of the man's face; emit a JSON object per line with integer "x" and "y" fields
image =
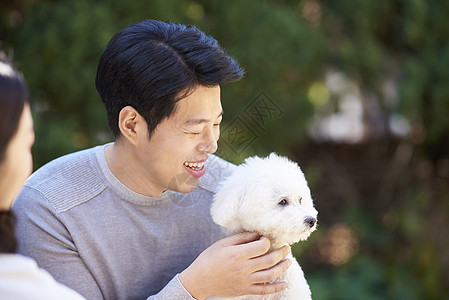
{"x": 174, "y": 156}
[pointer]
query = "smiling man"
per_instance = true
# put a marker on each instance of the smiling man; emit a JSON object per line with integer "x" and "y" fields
{"x": 179, "y": 145}
{"x": 109, "y": 221}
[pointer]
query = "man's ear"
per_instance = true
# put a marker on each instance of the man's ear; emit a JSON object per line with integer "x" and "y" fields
{"x": 131, "y": 124}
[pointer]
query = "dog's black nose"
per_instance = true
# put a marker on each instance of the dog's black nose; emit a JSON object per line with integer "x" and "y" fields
{"x": 310, "y": 221}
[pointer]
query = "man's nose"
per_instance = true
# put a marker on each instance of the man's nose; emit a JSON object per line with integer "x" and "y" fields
{"x": 210, "y": 143}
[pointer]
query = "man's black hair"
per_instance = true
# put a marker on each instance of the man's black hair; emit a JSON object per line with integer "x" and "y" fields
{"x": 152, "y": 64}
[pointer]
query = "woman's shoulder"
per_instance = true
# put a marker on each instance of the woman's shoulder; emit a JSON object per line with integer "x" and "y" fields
{"x": 21, "y": 278}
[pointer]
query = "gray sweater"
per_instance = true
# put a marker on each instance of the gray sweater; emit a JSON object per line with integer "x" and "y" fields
{"x": 95, "y": 235}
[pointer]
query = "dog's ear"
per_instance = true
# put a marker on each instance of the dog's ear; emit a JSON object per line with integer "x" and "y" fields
{"x": 226, "y": 205}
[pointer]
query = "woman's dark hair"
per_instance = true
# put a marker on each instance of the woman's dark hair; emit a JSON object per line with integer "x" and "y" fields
{"x": 8, "y": 240}
{"x": 152, "y": 64}
{"x": 13, "y": 96}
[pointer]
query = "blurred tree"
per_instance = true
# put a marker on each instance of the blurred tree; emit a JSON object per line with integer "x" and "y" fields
{"x": 376, "y": 69}
{"x": 398, "y": 52}
{"x": 68, "y": 37}
{"x": 57, "y": 46}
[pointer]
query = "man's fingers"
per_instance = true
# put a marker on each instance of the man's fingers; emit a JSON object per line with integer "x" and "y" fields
{"x": 250, "y": 243}
{"x": 264, "y": 278}
{"x": 271, "y": 259}
{"x": 270, "y": 288}
{"x": 245, "y": 256}
{"x": 256, "y": 248}
{"x": 272, "y": 273}
{"x": 241, "y": 238}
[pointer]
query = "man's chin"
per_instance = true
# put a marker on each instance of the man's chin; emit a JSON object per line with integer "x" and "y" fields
{"x": 184, "y": 183}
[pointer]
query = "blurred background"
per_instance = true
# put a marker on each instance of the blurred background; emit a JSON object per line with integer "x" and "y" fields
{"x": 355, "y": 91}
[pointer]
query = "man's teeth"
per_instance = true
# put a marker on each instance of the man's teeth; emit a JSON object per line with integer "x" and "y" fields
{"x": 194, "y": 166}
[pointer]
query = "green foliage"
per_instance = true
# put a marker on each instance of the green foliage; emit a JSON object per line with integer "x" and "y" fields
{"x": 388, "y": 265}
{"x": 403, "y": 39}
{"x": 286, "y": 48}
{"x": 365, "y": 278}
{"x": 57, "y": 47}
{"x": 67, "y": 37}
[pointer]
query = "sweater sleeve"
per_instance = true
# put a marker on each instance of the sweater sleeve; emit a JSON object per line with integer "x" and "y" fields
{"x": 42, "y": 236}
{"x": 174, "y": 290}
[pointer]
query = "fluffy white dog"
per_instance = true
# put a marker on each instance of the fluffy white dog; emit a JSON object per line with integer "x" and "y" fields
{"x": 271, "y": 196}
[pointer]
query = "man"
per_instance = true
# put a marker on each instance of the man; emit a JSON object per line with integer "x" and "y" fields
{"x": 130, "y": 219}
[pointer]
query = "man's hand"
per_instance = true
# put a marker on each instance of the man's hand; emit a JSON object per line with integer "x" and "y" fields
{"x": 235, "y": 266}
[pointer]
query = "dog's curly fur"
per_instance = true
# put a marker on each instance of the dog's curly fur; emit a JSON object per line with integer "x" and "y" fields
{"x": 270, "y": 196}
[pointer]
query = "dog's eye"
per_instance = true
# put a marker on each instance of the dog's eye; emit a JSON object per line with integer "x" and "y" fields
{"x": 300, "y": 200}
{"x": 283, "y": 202}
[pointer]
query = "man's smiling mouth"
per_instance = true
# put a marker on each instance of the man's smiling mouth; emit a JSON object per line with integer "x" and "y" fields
{"x": 194, "y": 166}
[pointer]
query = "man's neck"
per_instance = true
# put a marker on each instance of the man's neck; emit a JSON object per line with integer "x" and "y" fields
{"x": 123, "y": 164}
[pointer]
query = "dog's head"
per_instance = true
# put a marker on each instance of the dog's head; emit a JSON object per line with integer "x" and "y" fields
{"x": 268, "y": 195}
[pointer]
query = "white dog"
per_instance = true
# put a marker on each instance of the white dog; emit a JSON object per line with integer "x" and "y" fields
{"x": 271, "y": 196}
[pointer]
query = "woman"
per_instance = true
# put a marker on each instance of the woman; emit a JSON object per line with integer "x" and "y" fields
{"x": 20, "y": 278}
